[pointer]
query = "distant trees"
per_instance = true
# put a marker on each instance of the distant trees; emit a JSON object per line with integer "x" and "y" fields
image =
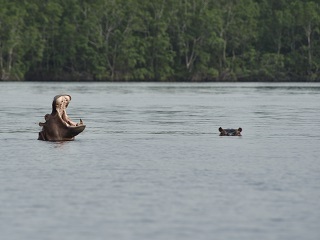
{"x": 290, "y": 39}
{"x": 165, "y": 40}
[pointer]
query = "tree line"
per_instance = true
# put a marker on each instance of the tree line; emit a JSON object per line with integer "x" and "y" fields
{"x": 160, "y": 40}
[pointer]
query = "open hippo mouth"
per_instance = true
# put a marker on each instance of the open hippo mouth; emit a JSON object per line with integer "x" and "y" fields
{"x": 58, "y": 126}
{"x": 60, "y": 103}
{"x": 230, "y": 131}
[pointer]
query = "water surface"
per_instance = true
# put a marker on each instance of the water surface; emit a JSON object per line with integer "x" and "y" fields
{"x": 150, "y": 164}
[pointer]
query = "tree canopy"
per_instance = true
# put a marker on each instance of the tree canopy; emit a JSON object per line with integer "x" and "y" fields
{"x": 163, "y": 40}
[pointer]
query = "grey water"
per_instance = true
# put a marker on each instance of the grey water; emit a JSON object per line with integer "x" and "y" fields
{"x": 151, "y": 164}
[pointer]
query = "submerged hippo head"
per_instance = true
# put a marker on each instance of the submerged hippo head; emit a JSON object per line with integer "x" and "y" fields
{"x": 230, "y": 132}
{"x": 58, "y": 126}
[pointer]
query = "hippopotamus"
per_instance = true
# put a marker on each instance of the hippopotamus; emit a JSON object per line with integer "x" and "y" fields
{"x": 58, "y": 126}
{"x": 230, "y": 131}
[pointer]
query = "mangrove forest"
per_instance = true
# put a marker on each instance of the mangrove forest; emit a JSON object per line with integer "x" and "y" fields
{"x": 159, "y": 40}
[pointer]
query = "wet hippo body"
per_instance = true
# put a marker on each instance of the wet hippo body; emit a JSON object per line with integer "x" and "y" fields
{"x": 230, "y": 132}
{"x": 58, "y": 126}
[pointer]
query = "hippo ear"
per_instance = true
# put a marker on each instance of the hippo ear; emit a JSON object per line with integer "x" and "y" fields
{"x": 240, "y": 129}
{"x": 220, "y": 129}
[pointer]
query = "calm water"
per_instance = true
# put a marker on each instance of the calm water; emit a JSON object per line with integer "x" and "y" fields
{"x": 150, "y": 164}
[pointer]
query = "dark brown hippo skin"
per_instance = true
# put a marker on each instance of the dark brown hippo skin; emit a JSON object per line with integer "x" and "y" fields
{"x": 230, "y": 132}
{"x": 58, "y": 126}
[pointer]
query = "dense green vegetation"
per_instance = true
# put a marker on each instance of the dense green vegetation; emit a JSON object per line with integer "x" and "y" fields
{"x": 161, "y": 40}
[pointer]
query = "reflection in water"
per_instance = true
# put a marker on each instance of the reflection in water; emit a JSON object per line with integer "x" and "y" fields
{"x": 59, "y": 144}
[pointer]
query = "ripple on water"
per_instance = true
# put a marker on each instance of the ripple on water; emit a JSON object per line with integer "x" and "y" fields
{"x": 151, "y": 164}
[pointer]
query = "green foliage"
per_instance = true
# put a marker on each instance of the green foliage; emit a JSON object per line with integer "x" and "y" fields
{"x": 189, "y": 40}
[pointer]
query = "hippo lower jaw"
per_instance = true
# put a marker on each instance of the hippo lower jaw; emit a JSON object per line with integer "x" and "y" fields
{"x": 56, "y": 129}
{"x": 70, "y": 132}
{"x": 58, "y": 126}
{"x": 75, "y": 130}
